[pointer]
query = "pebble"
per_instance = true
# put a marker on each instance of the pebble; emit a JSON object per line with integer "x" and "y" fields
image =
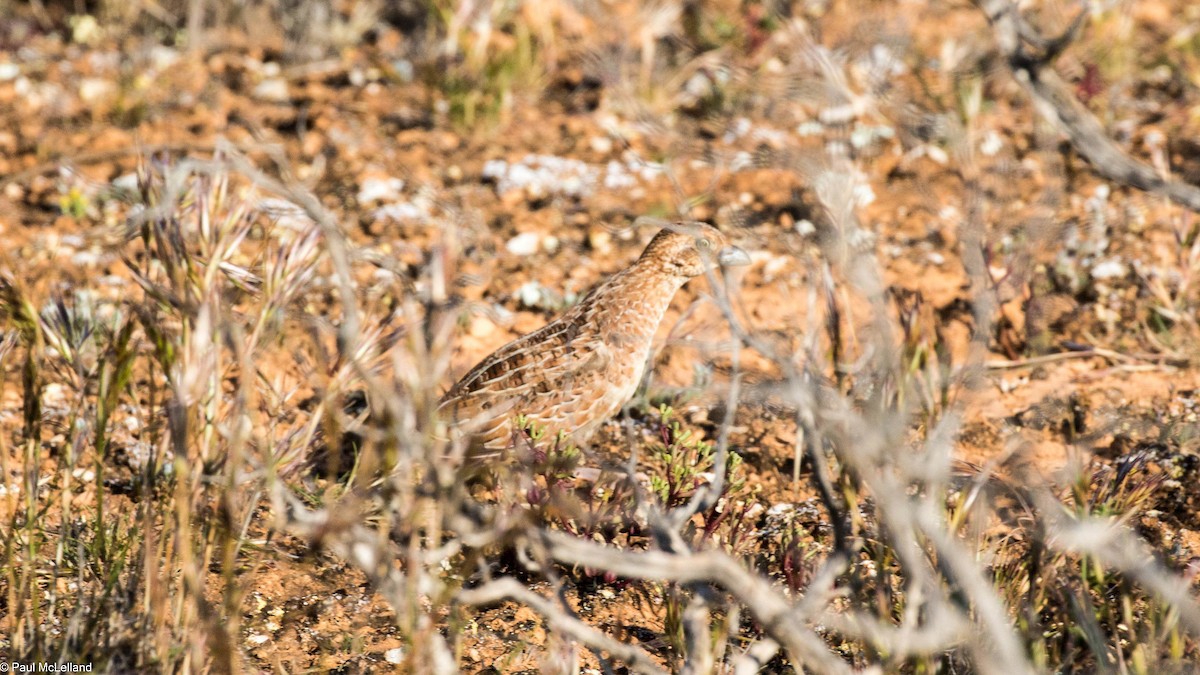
{"x": 600, "y": 241}
{"x": 379, "y": 189}
{"x": 600, "y": 144}
{"x": 530, "y": 294}
{"x": 94, "y": 89}
{"x": 991, "y": 144}
{"x": 54, "y": 395}
{"x": 401, "y": 212}
{"x": 163, "y": 57}
{"x": 481, "y": 327}
{"x": 525, "y": 243}
{"x": 126, "y": 183}
{"x": 775, "y": 266}
{"x": 1109, "y": 269}
{"x": 274, "y": 90}
{"x": 780, "y": 509}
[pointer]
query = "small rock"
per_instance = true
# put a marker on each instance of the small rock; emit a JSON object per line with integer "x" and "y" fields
{"x": 87, "y": 258}
{"x": 85, "y": 29}
{"x": 95, "y": 89}
{"x": 394, "y": 655}
{"x": 126, "y": 183}
{"x": 600, "y": 241}
{"x": 991, "y": 143}
{"x": 775, "y": 266}
{"x": 481, "y": 327}
{"x": 54, "y": 395}
{"x": 274, "y": 90}
{"x": 525, "y": 243}
{"x": 1112, "y": 268}
{"x": 404, "y": 69}
{"x": 379, "y": 189}
{"x": 530, "y": 294}
{"x": 780, "y": 509}
{"x": 163, "y": 57}
{"x": 600, "y": 144}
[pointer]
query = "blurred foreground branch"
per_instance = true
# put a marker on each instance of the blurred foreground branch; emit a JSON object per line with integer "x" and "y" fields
{"x": 1031, "y": 55}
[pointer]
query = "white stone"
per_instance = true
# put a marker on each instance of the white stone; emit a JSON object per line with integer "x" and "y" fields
{"x": 95, "y": 89}
{"x": 525, "y": 243}
{"x": 1112, "y": 268}
{"x": 991, "y": 143}
{"x": 530, "y": 294}
{"x": 272, "y": 89}
{"x": 379, "y": 189}
{"x": 126, "y": 182}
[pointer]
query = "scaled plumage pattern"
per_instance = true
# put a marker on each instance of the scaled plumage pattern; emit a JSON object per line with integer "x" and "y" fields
{"x": 580, "y": 369}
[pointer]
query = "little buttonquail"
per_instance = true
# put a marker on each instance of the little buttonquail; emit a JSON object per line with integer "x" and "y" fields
{"x": 579, "y": 370}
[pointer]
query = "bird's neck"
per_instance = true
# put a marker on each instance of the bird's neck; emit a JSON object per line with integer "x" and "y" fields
{"x": 636, "y": 300}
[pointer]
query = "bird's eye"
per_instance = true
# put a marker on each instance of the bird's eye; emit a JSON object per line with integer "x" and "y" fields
{"x": 704, "y": 243}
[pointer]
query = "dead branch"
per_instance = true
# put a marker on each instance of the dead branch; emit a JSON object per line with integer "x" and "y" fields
{"x": 697, "y": 634}
{"x": 559, "y": 619}
{"x": 776, "y": 615}
{"x": 756, "y": 657}
{"x": 1030, "y": 55}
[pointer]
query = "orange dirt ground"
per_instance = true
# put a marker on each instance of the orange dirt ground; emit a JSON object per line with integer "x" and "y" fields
{"x": 94, "y": 108}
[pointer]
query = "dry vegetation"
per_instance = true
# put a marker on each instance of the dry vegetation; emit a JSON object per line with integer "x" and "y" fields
{"x": 947, "y": 421}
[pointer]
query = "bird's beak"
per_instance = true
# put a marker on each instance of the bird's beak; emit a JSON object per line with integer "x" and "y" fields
{"x": 732, "y": 256}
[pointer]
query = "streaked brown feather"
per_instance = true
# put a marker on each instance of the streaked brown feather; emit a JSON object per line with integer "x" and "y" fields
{"x": 578, "y": 370}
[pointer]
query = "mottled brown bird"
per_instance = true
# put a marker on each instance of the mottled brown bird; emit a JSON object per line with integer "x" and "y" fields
{"x": 578, "y": 370}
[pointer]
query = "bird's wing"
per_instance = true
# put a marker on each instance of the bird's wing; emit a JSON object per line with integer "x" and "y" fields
{"x": 536, "y": 375}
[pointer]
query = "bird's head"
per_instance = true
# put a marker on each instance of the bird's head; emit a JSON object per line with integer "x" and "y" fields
{"x": 687, "y": 249}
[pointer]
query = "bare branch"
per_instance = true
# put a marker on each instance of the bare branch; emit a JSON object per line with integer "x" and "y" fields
{"x": 697, "y": 636}
{"x": 508, "y": 588}
{"x": 764, "y": 601}
{"x": 1055, "y": 100}
{"x": 756, "y": 657}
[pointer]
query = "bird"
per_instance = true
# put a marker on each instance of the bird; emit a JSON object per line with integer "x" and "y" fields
{"x": 570, "y": 376}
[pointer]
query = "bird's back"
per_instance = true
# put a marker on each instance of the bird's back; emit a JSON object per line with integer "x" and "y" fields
{"x": 569, "y": 376}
